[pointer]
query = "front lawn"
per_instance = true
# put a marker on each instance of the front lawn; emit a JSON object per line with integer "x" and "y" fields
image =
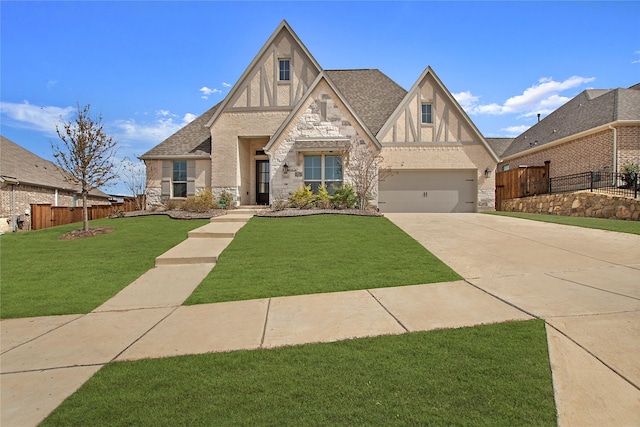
{"x": 487, "y": 375}
{"x": 44, "y": 276}
{"x": 273, "y": 257}
{"x": 631, "y": 227}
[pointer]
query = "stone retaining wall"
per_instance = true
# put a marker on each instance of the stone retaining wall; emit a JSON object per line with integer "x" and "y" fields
{"x": 583, "y": 204}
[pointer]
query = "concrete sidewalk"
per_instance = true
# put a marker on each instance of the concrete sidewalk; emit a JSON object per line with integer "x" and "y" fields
{"x": 514, "y": 270}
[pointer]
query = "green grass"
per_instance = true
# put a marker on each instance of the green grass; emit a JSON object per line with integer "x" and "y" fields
{"x": 273, "y": 257}
{"x": 43, "y": 276}
{"x": 487, "y": 375}
{"x": 631, "y": 227}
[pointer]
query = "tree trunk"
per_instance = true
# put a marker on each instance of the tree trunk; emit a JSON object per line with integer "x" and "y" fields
{"x": 85, "y": 212}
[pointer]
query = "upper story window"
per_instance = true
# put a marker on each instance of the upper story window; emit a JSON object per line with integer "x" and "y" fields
{"x": 285, "y": 74}
{"x": 427, "y": 118}
{"x": 180, "y": 178}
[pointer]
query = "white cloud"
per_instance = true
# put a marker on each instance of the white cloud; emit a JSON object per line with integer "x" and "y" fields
{"x": 208, "y": 91}
{"x": 543, "y": 97}
{"x": 161, "y": 127}
{"x": 465, "y": 99}
{"x": 515, "y": 130}
{"x": 225, "y": 84}
{"x": 34, "y": 117}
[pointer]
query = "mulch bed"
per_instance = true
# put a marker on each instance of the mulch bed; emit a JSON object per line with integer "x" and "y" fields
{"x": 306, "y": 212}
{"x": 81, "y": 234}
{"x": 178, "y": 214}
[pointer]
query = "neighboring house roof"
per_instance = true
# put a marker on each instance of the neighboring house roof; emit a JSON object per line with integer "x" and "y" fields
{"x": 499, "y": 145}
{"x": 372, "y": 95}
{"x": 193, "y": 140}
{"x": 20, "y": 165}
{"x": 590, "y": 109}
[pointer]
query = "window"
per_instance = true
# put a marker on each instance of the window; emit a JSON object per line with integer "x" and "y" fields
{"x": 180, "y": 179}
{"x": 323, "y": 170}
{"x": 284, "y": 70}
{"x": 426, "y": 114}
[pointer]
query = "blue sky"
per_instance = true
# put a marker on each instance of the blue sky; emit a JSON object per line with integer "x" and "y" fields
{"x": 149, "y": 67}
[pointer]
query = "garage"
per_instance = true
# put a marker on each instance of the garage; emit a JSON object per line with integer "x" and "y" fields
{"x": 429, "y": 191}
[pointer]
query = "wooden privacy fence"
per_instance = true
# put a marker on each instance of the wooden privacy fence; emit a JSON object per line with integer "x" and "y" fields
{"x": 521, "y": 182}
{"x": 45, "y": 216}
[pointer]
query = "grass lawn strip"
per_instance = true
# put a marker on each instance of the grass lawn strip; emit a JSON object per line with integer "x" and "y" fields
{"x": 487, "y": 375}
{"x": 43, "y": 276}
{"x": 271, "y": 257}
{"x": 631, "y": 227}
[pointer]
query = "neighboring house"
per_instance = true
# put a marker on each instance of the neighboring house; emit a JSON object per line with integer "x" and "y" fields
{"x": 286, "y": 123}
{"x": 598, "y": 130}
{"x": 26, "y": 179}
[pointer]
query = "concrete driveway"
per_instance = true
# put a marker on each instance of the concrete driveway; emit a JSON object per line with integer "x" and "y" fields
{"x": 584, "y": 283}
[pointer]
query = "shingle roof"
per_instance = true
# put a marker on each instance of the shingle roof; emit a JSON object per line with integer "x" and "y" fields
{"x": 192, "y": 140}
{"x": 26, "y": 167}
{"x": 371, "y": 94}
{"x": 499, "y": 145}
{"x": 589, "y": 109}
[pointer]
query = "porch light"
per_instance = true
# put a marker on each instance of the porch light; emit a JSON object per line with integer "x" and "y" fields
{"x": 487, "y": 173}
{"x": 285, "y": 169}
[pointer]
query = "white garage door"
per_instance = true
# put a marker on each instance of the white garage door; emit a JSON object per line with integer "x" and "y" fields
{"x": 429, "y": 191}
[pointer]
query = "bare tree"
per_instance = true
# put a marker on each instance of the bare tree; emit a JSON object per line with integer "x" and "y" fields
{"x": 134, "y": 178}
{"x": 86, "y": 156}
{"x": 362, "y": 167}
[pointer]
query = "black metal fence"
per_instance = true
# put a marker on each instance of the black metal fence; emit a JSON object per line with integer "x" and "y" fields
{"x": 619, "y": 184}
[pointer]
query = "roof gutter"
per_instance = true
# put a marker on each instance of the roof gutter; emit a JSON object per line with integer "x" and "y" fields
{"x": 572, "y": 137}
{"x": 175, "y": 157}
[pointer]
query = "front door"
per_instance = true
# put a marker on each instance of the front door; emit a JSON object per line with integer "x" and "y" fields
{"x": 262, "y": 182}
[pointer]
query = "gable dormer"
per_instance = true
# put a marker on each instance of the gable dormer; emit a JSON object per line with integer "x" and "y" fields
{"x": 277, "y": 78}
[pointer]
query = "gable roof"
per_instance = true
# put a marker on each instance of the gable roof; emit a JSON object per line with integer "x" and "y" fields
{"x": 193, "y": 140}
{"x": 590, "y": 109}
{"x": 499, "y": 145}
{"x": 19, "y": 165}
{"x": 415, "y": 90}
{"x": 284, "y": 26}
{"x": 372, "y": 95}
{"x": 296, "y": 109}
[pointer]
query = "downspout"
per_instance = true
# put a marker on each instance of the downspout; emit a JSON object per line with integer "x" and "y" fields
{"x": 56, "y": 198}
{"x": 13, "y": 209}
{"x": 615, "y": 148}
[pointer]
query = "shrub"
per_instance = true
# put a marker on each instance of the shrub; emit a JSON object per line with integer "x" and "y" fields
{"x": 322, "y": 200}
{"x": 201, "y": 202}
{"x": 344, "y": 197}
{"x": 302, "y": 198}
{"x": 279, "y": 203}
{"x": 630, "y": 174}
{"x": 226, "y": 199}
{"x": 173, "y": 204}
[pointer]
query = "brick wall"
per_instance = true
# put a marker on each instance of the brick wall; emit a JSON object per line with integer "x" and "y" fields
{"x": 628, "y": 145}
{"x": 590, "y": 153}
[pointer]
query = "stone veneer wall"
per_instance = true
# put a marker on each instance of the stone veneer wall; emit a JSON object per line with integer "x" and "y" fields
{"x": 582, "y": 204}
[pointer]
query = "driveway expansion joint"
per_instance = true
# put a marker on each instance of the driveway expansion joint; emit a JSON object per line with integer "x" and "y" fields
{"x": 266, "y": 320}
{"x": 54, "y": 368}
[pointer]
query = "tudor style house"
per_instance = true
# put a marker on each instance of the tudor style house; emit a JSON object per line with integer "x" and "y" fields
{"x": 286, "y": 122}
